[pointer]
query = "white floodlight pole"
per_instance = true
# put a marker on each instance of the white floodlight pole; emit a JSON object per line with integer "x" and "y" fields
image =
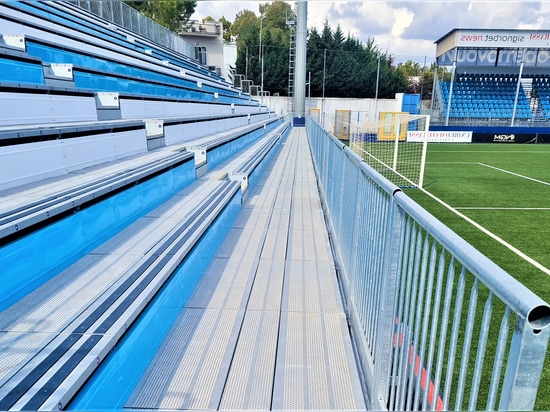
{"x": 376, "y": 92}
{"x": 323, "y": 101}
{"x": 300, "y": 72}
{"x": 260, "y": 54}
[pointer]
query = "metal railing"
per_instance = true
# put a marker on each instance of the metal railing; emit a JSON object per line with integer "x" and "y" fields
{"x": 437, "y": 325}
{"x": 125, "y": 16}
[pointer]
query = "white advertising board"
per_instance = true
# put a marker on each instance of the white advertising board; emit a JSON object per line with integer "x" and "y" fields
{"x": 503, "y": 38}
{"x": 440, "y": 137}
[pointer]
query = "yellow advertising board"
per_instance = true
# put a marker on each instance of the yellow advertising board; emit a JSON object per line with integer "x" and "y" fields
{"x": 342, "y": 122}
{"x": 315, "y": 113}
{"x": 388, "y": 131}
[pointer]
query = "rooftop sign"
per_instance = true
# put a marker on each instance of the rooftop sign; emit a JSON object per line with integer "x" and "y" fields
{"x": 483, "y": 47}
{"x": 483, "y": 38}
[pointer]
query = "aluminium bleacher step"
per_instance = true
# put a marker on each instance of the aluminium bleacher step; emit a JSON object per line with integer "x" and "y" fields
{"x": 86, "y": 309}
{"x": 19, "y": 215}
{"x": 69, "y": 354}
{"x": 265, "y": 328}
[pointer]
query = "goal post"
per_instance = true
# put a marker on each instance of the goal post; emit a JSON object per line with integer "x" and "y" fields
{"x": 395, "y": 146}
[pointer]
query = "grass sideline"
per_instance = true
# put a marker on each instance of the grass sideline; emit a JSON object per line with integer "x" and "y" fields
{"x": 506, "y": 189}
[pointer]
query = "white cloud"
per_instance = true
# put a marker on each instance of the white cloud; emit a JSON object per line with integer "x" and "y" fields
{"x": 405, "y": 28}
{"x": 403, "y": 19}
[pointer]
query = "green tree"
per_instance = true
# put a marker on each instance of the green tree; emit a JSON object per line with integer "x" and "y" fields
{"x": 274, "y": 45}
{"x": 419, "y": 78}
{"x": 246, "y": 30}
{"x": 349, "y": 67}
{"x": 172, "y": 14}
{"x": 340, "y": 65}
{"x": 227, "y": 29}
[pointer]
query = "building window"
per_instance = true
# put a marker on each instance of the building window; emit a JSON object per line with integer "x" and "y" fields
{"x": 200, "y": 54}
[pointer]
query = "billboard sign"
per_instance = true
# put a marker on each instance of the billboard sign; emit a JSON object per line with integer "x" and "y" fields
{"x": 440, "y": 137}
{"x": 495, "y": 57}
{"x": 503, "y": 38}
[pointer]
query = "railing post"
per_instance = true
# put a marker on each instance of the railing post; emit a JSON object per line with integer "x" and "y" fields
{"x": 386, "y": 317}
{"x": 525, "y": 362}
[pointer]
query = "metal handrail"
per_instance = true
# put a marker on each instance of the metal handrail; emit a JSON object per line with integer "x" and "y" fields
{"x": 118, "y": 12}
{"x": 422, "y": 340}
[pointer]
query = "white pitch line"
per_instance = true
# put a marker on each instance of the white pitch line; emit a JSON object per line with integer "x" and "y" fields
{"x": 502, "y": 208}
{"x": 452, "y": 163}
{"x": 491, "y": 234}
{"x": 515, "y": 174}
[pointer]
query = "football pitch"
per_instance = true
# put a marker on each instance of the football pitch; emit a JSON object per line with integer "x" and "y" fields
{"x": 498, "y": 198}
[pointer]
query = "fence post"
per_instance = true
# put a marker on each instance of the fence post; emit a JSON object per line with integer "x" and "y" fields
{"x": 525, "y": 362}
{"x": 386, "y": 317}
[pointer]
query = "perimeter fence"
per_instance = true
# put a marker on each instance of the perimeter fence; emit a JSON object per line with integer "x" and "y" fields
{"x": 437, "y": 325}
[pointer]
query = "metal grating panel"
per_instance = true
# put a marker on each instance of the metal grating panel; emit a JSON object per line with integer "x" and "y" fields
{"x": 191, "y": 369}
{"x": 289, "y": 347}
{"x": 250, "y": 380}
{"x": 226, "y": 284}
{"x": 17, "y": 348}
{"x": 315, "y": 369}
{"x": 268, "y": 286}
{"x": 243, "y": 241}
{"x": 54, "y": 305}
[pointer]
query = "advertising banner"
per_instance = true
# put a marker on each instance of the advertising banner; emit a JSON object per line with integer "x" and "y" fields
{"x": 508, "y": 138}
{"x": 441, "y": 137}
{"x": 495, "y": 57}
{"x": 469, "y": 47}
{"x": 503, "y": 38}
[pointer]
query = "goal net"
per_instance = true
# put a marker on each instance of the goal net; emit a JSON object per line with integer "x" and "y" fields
{"x": 395, "y": 146}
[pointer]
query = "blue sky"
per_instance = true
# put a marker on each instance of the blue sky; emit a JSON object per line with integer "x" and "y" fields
{"x": 404, "y": 29}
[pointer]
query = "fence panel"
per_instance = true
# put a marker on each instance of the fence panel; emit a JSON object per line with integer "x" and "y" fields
{"x": 437, "y": 325}
{"x": 120, "y": 13}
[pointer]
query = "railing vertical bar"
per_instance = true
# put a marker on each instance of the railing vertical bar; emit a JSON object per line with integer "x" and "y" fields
{"x": 415, "y": 312}
{"x": 467, "y": 345}
{"x": 429, "y": 271}
{"x": 421, "y": 322}
{"x": 499, "y": 360}
{"x": 383, "y": 226}
{"x": 371, "y": 265}
{"x": 433, "y": 329}
{"x": 454, "y": 338}
{"x": 407, "y": 336}
{"x": 399, "y": 314}
{"x": 362, "y": 267}
{"x": 357, "y": 243}
{"x": 385, "y": 324}
{"x": 444, "y": 327}
{"x": 403, "y": 337}
{"x": 481, "y": 350}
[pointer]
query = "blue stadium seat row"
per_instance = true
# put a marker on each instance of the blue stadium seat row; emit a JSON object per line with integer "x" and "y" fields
{"x": 141, "y": 71}
{"x": 484, "y": 96}
{"x": 57, "y": 12}
{"x": 59, "y": 54}
{"x": 20, "y": 69}
{"x": 80, "y": 91}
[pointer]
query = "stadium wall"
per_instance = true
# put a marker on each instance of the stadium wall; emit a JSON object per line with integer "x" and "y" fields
{"x": 362, "y": 110}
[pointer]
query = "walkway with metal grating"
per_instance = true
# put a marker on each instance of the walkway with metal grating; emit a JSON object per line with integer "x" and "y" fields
{"x": 265, "y": 328}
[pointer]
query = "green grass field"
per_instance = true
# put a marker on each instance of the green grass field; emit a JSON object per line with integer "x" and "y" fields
{"x": 505, "y": 188}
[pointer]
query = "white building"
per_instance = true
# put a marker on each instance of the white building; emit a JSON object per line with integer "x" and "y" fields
{"x": 207, "y": 37}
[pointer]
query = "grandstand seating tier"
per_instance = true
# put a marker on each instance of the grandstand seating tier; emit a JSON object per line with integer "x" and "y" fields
{"x": 489, "y": 97}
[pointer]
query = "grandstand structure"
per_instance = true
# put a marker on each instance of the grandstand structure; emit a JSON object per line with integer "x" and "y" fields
{"x": 169, "y": 243}
{"x": 494, "y": 84}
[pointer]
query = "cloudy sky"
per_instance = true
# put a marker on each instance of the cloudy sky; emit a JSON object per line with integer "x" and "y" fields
{"x": 404, "y": 29}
